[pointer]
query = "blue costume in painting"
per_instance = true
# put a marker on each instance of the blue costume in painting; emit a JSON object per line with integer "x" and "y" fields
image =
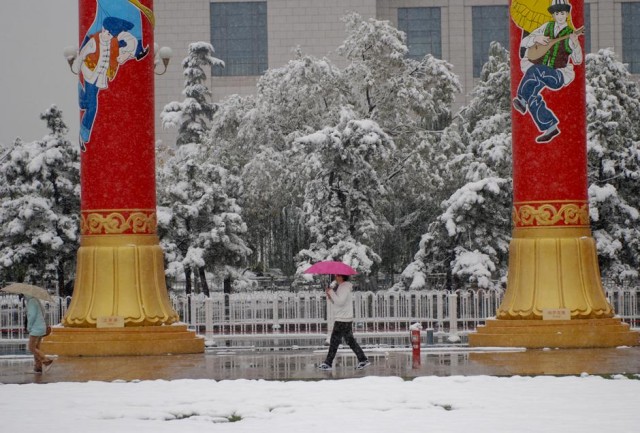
{"x": 127, "y": 10}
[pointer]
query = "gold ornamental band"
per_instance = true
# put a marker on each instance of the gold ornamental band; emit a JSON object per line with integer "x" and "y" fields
{"x": 557, "y": 232}
{"x": 553, "y": 213}
{"x": 118, "y": 221}
{"x": 118, "y": 240}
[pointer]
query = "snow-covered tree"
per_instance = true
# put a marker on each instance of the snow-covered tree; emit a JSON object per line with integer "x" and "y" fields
{"x": 340, "y": 200}
{"x": 193, "y": 114}
{"x": 236, "y": 131}
{"x": 411, "y": 100}
{"x": 39, "y": 214}
{"x": 253, "y": 135}
{"x": 309, "y": 93}
{"x": 390, "y": 88}
{"x": 278, "y": 231}
{"x": 406, "y": 98}
{"x": 199, "y": 217}
{"x": 469, "y": 240}
{"x": 613, "y": 119}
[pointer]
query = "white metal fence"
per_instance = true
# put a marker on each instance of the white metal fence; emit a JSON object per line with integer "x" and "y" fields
{"x": 266, "y": 312}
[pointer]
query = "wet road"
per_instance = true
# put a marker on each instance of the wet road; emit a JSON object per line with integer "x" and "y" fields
{"x": 301, "y": 365}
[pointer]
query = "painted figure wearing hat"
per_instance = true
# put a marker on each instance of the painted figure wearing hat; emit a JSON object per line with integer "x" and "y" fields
{"x": 550, "y": 52}
{"x": 114, "y": 38}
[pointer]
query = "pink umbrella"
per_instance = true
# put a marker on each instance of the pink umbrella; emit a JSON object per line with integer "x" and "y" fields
{"x": 331, "y": 268}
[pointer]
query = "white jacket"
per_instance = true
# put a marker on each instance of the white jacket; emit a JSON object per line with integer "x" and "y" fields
{"x": 342, "y": 302}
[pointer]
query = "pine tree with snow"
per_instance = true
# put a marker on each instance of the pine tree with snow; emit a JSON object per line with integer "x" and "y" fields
{"x": 39, "y": 215}
{"x": 340, "y": 200}
{"x": 199, "y": 220}
{"x": 613, "y": 119}
{"x": 469, "y": 240}
{"x": 193, "y": 114}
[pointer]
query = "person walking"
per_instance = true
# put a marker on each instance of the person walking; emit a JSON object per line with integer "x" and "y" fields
{"x": 342, "y": 300}
{"x": 37, "y": 328}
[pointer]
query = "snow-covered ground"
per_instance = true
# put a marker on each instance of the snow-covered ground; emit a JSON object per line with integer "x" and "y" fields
{"x": 371, "y": 404}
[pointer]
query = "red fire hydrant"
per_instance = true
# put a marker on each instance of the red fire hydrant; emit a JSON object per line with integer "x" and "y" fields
{"x": 415, "y": 344}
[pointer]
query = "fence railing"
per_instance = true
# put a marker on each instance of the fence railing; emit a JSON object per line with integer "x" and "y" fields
{"x": 307, "y": 312}
{"x": 268, "y": 312}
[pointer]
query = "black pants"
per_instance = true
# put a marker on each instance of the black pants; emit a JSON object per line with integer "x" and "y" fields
{"x": 343, "y": 330}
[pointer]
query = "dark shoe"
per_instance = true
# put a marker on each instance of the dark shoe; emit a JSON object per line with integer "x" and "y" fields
{"x": 548, "y": 135}
{"x": 324, "y": 366}
{"x": 519, "y": 106}
{"x": 361, "y": 365}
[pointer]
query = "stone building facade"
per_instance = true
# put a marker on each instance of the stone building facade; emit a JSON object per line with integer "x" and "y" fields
{"x": 251, "y": 36}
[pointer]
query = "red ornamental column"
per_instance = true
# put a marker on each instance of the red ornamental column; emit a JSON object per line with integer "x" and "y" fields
{"x": 553, "y": 264}
{"x": 120, "y": 268}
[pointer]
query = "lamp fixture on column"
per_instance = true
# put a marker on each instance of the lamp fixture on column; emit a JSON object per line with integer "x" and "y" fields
{"x": 163, "y": 54}
{"x": 71, "y": 54}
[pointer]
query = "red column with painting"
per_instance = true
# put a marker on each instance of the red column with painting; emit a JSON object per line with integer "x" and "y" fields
{"x": 554, "y": 295}
{"x": 120, "y": 266}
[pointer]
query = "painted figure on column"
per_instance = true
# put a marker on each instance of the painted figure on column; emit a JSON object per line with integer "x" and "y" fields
{"x": 548, "y": 55}
{"x": 114, "y": 38}
{"x": 554, "y": 295}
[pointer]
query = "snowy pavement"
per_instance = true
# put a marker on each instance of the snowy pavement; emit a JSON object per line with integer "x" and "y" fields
{"x": 369, "y": 404}
{"x": 451, "y": 390}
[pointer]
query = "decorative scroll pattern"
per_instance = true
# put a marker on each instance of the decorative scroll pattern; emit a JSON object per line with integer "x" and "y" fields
{"x": 134, "y": 221}
{"x": 550, "y": 214}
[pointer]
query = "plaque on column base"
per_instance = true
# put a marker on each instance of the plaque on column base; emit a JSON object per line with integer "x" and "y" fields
{"x": 580, "y": 333}
{"x": 140, "y": 340}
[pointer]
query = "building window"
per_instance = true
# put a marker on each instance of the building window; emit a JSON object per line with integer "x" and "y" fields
{"x": 587, "y": 28}
{"x": 239, "y": 36}
{"x": 423, "y": 30}
{"x": 631, "y": 36}
{"x": 489, "y": 23}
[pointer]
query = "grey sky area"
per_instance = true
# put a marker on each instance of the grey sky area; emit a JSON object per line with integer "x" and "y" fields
{"x": 33, "y": 73}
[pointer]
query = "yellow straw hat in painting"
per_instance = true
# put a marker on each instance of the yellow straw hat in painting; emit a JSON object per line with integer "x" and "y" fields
{"x": 531, "y": 14}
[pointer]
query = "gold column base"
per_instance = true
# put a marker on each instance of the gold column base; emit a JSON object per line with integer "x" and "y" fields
{"x": 553, "y": 268}
{"x": 141, "y": 340}
{"x": 120, "y": 275}
{"x": 585, "y": 333}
